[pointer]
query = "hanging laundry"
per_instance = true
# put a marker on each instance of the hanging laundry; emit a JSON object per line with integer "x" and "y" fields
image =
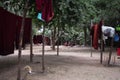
{"x": 10, "y": 25}
{"x": 116, "y": 37}
{"x": 108, "y": 31}
{"x": 7, "y": 33}
{"x": 39, "y": 4}
{"x": 27, "y": 31}
{"x": 95, "y": 36}
{"x": 45, "y": 6}
{"x": 101, "y": 23}
{"x": 40, "y": 16}
{"x": 37, "y": 39}
{"x": 1, "y": 28}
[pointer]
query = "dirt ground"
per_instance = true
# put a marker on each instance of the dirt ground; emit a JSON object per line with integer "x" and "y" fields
{"x": 73, "y": 63}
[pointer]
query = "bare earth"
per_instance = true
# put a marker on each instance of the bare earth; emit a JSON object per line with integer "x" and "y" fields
{"x": 73, "y": 63}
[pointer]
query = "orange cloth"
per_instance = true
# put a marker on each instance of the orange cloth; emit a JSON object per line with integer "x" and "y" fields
{"x": 95, "y": 36}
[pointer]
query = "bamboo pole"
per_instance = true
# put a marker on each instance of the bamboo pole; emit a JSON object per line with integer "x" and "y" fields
{"x": 21, "y": 40}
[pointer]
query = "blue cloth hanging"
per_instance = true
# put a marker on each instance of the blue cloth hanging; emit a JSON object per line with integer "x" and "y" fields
{"x": 40, "y": 16}
{"x": 116, "y": 37}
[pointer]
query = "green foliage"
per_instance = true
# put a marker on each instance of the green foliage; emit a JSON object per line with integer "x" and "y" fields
{"x": 109, "y": 10}
{"x": 71, "y": 15}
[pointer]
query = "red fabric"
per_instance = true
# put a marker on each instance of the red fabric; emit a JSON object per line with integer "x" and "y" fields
{"x": 47, "y": 12}
{"x": 39, "y": 4}
{"x": 1, "y": 28}
{"x": 27, "y": 31}
{"x": 100, "y": 28}
{"x": 10, "y": 26}
{"x": 92, "y": 33}
{"x": 37, "y": 39}
{"x": 95, "y": 38}
{"x": 45, "y": 6}
{"x": 118, "y": 51}
{"x": 18, "y": 27}
{"x": 47, "y": 40}
{"x": 7, "y": 35}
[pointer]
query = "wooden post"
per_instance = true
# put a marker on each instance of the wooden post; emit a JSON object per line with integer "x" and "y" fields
{"x": 43, "y": 48}
{"x": 31, "y": 47}
{"x": 91, "y": 25}
{"x": 91, "y": 47}
{"x": 58, "y": 43}
{"x": 21, "y": 40}
{"x": 110, "y": 53}
{"x": 101, "y": 51}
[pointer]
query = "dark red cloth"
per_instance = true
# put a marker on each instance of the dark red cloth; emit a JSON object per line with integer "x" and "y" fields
{"x": 95, "y": 36}
{"x": 10, "y": 26}
{"x": 27, "y": 31}
{"x": 92, "y": 33}
{"x": 100, "y": 28}
{"x": 18, "y": 27}
{"x": 47, "y": 12}
{"x": 7, "y": 35}
{"x": 45, "y": 6}
{"x": 1, "y": 28}
{"x": 39, "y": 4}
{"x": 47, "y": 40}
{"x": 37, "y": 39}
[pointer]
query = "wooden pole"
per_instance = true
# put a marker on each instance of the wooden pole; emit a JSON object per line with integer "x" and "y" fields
{"x": 110, "y": 53}
{"x": 101, "y": 51}
{"x": 43, "y": 48}
{"x": 91, "y": 47}
{"x": 58, "y": 43}
{"x": 91, "y": 25}
{"x": 21, "y": 41}
{"x": 31, "y": 47}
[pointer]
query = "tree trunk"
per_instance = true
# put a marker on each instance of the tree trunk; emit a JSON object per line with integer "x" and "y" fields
{"x": 21, "y": 40}
{"x": 43, "y": 48}
{"x": 58, "y": 42}
{"x": 53, "y": 38}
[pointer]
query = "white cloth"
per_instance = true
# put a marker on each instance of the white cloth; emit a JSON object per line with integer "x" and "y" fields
{"x": 108, "y": 31}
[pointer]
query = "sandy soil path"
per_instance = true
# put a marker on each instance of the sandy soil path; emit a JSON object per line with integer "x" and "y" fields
{"x": 73, "y": 63}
